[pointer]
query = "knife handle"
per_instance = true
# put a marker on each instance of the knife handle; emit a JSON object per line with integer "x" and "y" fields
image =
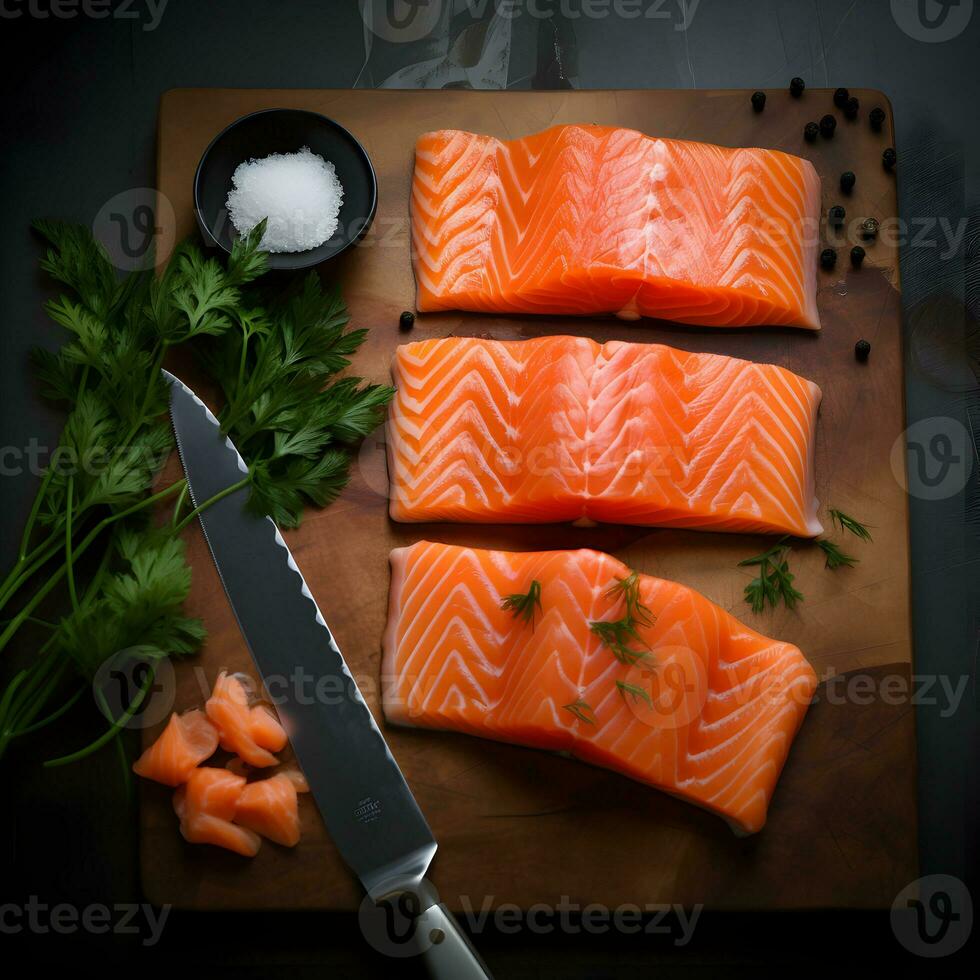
{"x": 446, "y": 952}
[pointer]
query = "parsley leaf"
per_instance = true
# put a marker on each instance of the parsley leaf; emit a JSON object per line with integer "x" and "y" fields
{"x": 292, "y": 420}
{"x": 136, "y": 605}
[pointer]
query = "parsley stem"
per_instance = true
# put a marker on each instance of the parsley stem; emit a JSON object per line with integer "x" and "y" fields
{"x": 8, "y": 697}
{"x": 32, "y": 517}
{"x": 179, "y": 506}
{"x": 42, "y": 593}
{"x": 207, "y": 503}
{"x": 246, "y": 334}
{"x": 41, "y": 492}
{"x": 14, "y": 582}
{"x": 69, "y": 561}
{"x": 159, "y": 353}
{"x": 38, "y": 670}
{"x": 23, "y": 709}
{"x": 114, "y": 729}
{"x": 36, "y": 620}
{"x": 47, "y": 719}
{"x": 20, "y": 712}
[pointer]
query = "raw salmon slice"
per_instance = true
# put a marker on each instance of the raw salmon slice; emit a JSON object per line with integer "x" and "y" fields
{"x": 566, "y": 429}
{"x": 270, "y": 807}
{"x": 183, "y": 745}
{"x": 709, "y": 710}
{"x": 206, "y": 806}
{"x": 248, "y": 731}
{"x": 593, "y": 219}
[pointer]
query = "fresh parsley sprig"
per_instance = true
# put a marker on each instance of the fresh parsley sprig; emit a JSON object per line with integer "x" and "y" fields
{"x": 275, "y": 356}
{"x": 294, "y": 424}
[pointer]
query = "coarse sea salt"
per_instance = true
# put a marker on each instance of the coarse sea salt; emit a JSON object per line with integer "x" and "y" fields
{"x": 299, "y": 193}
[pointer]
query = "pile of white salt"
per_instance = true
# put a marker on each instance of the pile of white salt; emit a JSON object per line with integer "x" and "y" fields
{"x": 299, "y": 193}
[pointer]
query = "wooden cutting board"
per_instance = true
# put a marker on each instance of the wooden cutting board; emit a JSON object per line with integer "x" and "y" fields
{"x": 516, "y": 825}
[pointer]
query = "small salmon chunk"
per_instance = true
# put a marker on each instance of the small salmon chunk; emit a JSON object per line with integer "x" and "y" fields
{"x": 184, "y": 744}
{"x": 248, "y": 731}
{"x": 206, "y": 806}
{"x": 270, "y": 808}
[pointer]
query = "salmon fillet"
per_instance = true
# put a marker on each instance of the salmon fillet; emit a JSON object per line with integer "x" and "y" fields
{"x": 594, "y": 219}
{"x": 566, "y": 429}
{"x": 722, "y": 703}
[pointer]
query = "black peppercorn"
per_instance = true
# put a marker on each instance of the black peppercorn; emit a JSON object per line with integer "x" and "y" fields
{"x": 861, "y": 350}
{"x": 758, "y": 101}
{"x": 851, "y": 109}
{"x": 877, "y": 118}
{"x": 796, "y": 87}
{"x": 869, "y": 228}
{"x": 857, "y": 256}
{"x": 407, "y": 320}
{"x": 810, "y": 132}
{"x": 847, "y": 181}
{"x": 837, "y": 214}
{"x": 889, "y": 158}
{"x": 828, "y": 258}
{"x": 840, "y": 97}
{"x": 827, "y": 126}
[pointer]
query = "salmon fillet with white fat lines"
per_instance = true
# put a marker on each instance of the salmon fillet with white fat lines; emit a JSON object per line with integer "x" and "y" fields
{"x": 593, "y": 219}
{"x": 708, "y": 715}
{"x": 565, "y": 429}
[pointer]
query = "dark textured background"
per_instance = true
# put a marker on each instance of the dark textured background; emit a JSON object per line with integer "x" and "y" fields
{"x": 78, "y": 124}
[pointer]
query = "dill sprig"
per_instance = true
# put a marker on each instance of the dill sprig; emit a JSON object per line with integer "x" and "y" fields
{"x": 619, "y": 634}
{"x": 524, "y": 605}
{"x": 849, "y": 524}
{"x": 774, "y": 583}
{"x": 630, "y": 589}
{"x": 634, "y": 692}
{"x": 582, "y": 710}
{"x": 835, "y": 557}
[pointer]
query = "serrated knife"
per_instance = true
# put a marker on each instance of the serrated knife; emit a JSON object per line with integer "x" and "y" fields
{"x": 366, "y": 804}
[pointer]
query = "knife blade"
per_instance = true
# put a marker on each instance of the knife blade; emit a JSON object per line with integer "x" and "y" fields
{"x": 361, "y": 794}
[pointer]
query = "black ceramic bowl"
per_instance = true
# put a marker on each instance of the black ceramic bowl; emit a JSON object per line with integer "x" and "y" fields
{"x": 286, "y": 131}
